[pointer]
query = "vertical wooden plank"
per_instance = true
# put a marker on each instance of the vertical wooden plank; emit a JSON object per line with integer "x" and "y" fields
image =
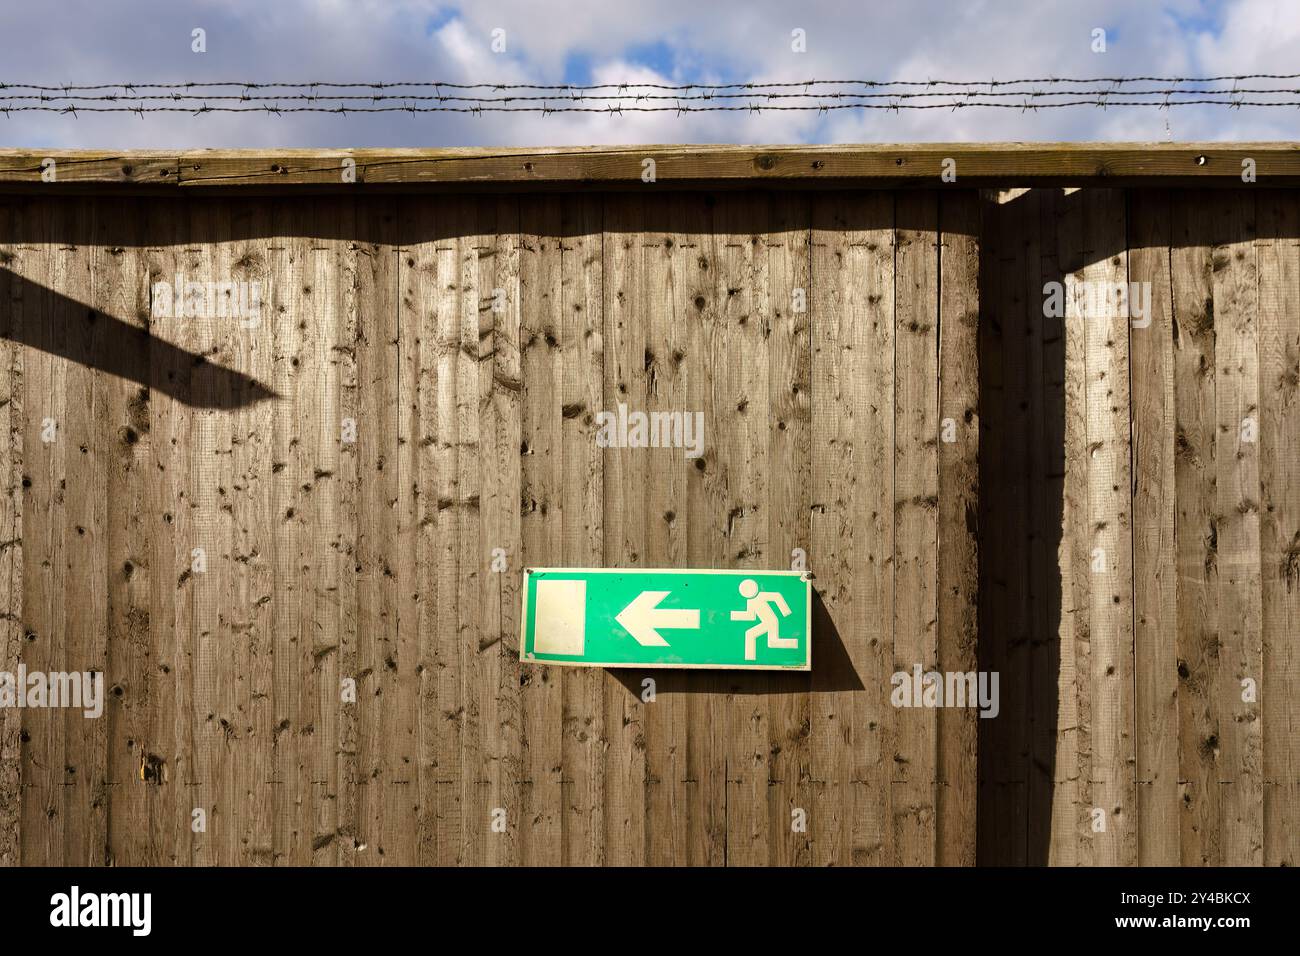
{"x": 406, "y": 571}
{"x": 425, "y": 274}
{"x": 208, "y": 262}
{"x": 991, "y": 844}
{"x": 957, "y": 569}
{"x": 346, "y": 255}
{"x": 786, "y": 246}
{"x": 691, "y": 354}
{"x": 1236, "y": 305}
{"x": 1056, "y": 742}
{"x": 401, "y": 711}
{"x": 1011, "y": 290}
{"x": 424, "y": 271}
{"x": 561, "y": 275}
{"x": 1073, "y": 254}
{"x": 625, "y": 516}
{"x": 294, "y": 372}
{"x": 386, "y": 661}
{"x": 915, "y": 517}
{"x": 1034, "y": 689}
{"x": 464, "y": 277}
{"x": 306, "y": 479}
{"x": 47, "y": 318}
{"x": 465, "y": 821}
{"x": 736, "y": 433}
{"x": 1030, "y": 710}
{"x": 1154, "y": 449}
{"x": 252, "y": 548}
{"x": 1109, "y": 531}
{"x": 85, "y": 502}
{"x": 389, "y": 656}
{"x": 1075, "y": 257}
{"x": 1058, "y": 557}
{"x": 542, "y": 522}
{"x": 11, "y": 522}
{"x": 673, "y": 823}
{"x": 501, "y": 387}
{"x": 326, "y": 568}
{"x": 1196, "y": 540}
{"x": 579, "y": 324}
{"x": 122, "y": 293}
{"x": 1278, "y": 255}
{"x": 166, "y": 756}
{"x": 466, "y": 506}
{"x": 302, "y": 358}
{"x": 42, "y": 532}
{"x": 852, "y": 525}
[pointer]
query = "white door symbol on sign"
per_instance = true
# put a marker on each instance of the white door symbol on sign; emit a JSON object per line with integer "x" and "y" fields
{"x": 758, "y": 605}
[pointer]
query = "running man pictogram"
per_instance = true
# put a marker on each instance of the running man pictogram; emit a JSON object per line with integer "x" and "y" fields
{"x": 759, "y": 606}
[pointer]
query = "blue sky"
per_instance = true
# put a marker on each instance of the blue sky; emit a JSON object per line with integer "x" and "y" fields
{"x": 666, "y": 41}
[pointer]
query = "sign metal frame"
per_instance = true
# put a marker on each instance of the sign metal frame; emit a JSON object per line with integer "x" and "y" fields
{"x": 526, "y": 656}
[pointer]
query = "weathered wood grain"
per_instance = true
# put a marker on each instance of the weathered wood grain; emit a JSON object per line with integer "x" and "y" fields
{"x": 1109, "y": 536}
{"x": 253, "y": 587}
{"x": 1278, "y": 260}
{"x": 1196, "y": 544}
{"x": 339, "y": 224}
{"x": 543, "y": 518}
{"x": 1154, "y": 527}
{"x": 786, "y": 303}
{"x": 738, "y": 433}
{"x": 914, "y": 514}
{"x": 1053, "y": 793}
{"x": 216, "y": 736}
{"x": 579, "y": 324}
{"x": 327, "y": 559}
{"x": 386, "y": 658}
{"x": 122, "y": 290}
{"x": 11, "y": 527}
{"x": 166, "y": 756}
{"x": 1234, "y": 285}
{"x": 690, "y": 337}
{"x": 624, "y": 253}
{"x": 707, "y": 166}
{"x": 47, "y": 318}
{"x": 1048, "y": 670}
{"x": 956, "y": 641}
{"x": 1009, "y": 294}
{"x": 295, "y": 375}
{"x": 852, "y": 556}
{"x": 84, "y": 493}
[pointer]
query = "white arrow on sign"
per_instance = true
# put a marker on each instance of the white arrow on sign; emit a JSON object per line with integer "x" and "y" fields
{"x": 643, "y": 616}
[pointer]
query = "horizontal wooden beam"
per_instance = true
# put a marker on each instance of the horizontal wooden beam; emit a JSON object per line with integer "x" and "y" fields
{"x": 615, "y": 167}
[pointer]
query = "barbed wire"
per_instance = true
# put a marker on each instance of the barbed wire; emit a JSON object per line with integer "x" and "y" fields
{"x": 618, "y": 109}
{"x": 821, "y": 96}
{"x": 608, "y": 97}
{"x": 1039, "y": 81}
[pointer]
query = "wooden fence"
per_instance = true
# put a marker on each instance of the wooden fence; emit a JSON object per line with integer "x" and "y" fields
{"x": 368, "y": 462}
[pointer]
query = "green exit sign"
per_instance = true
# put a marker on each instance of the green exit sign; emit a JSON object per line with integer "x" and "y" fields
{"x": 619, "y": 617}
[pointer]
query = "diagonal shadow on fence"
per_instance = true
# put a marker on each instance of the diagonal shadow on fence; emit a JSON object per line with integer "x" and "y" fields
{"x": 44, "y": 319}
